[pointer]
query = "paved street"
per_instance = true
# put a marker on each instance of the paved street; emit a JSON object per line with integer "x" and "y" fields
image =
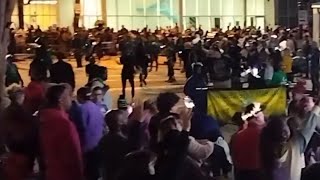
{"x": 156, "y": 80}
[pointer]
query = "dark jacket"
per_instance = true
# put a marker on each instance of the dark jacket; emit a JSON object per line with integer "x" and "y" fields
{"x": 113, "y": 148}
{"x": 154, "y": 128}
{"x": 62, "y": 72}
{"x": 173, "y": 162}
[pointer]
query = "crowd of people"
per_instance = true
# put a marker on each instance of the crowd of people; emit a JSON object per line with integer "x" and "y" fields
{"x": 48, "y": 133}
{"x": 78, "y": 138}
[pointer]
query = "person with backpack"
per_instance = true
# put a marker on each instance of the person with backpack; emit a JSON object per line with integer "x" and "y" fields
{"x": 12, "y": 73}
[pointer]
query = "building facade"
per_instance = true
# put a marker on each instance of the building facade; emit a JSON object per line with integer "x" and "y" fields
{"x": 136, "y": 14}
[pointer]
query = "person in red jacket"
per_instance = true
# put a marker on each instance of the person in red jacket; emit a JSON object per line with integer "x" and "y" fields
{"x": 245, "y": 145}
{"x": 36, "y": 89}
{"x": 59, "y": 142}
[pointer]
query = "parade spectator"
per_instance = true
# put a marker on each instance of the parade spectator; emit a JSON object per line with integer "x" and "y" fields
{"x": 19, "y": 131}
{"x": 62, "y": 72}
{"x": 282, "y": 151}
{"x": 245, "y": 145}
{"x": 287, "y": 64}
{"x": 97, "y": 98}
{"x": 115, "y": 145}
{"x": 165, "y": 103}
{"x": 93, "y": 132}
{"x": 314, "y": 67}
{"x": 36, "y": 89}
{"x": 59, "y": 141}
{"x": 173, "y": 160}
{"x": 139, "y": 134}
{"x": 12, "y": 73}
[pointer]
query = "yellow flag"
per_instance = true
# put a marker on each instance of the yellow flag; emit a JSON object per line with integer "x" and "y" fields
{"x": 223, "y": 104}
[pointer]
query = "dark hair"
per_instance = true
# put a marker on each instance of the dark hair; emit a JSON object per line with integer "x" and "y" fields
{"x": 53, "y": 95}
{"x": 149, "y": 105}
{"x": 237, "y": 119}
{"x": 97, "y": 89}
{"x": 83, "y": 93}
{"x": 271, "y": 137}
{"x": 112, "y": 120}
{"x": 38, "y": 71}
{"x": 166, "y": 101}
{"x": 312, "y": 172}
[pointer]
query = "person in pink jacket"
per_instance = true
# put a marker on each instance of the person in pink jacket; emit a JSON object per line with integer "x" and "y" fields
{"x": 59, "y": 142}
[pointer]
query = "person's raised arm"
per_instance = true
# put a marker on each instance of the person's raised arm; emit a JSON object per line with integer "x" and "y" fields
{"x": 309, "y": 126}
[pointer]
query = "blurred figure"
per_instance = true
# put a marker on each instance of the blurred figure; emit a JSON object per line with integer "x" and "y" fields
{"x": 62, "y": 72}
{"x": 288, "y": 162}
{"x": 97, "y": 98}
{"x": 312, "y": 172}
{"x": 92, "y": 69}
{"x": 115, "y": 145}
{"x": 138, "y": 165}
{"x": 165, "y": 102}
{"x": 78, "y": 44}
{"x": 173, "y": 160}
{"x": 19, "y": 131}
{"x": 59, "y": 140}
{"x": 93, "y": 132}
{"x": 128, "y": 59}
{"x": 171, "y": 57}
{"x": 287, "y": 64}
{"x": 314, "y": 68}
{"x": 245, "y": 145}
{"x": 36, "y": 89}
{"x": 12, "y": 73}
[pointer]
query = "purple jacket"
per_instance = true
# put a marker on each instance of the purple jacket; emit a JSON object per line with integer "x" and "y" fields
{"x": 93, "y": 125}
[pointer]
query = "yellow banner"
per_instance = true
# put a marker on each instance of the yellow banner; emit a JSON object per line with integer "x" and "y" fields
{"x": 225, "y": 103}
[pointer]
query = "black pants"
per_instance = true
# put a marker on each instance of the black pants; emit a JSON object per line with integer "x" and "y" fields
{"x": 143, "y": 74}
{"x": 171, "y": 63}
{"x": 78, "y": 55}
{"x": 124, "y": 79}
{"x": 154, "y": 58}
{"x": 92, "y": 164}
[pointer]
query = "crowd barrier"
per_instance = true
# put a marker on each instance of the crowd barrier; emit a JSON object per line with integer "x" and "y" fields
{"x": 223, "y": 104}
